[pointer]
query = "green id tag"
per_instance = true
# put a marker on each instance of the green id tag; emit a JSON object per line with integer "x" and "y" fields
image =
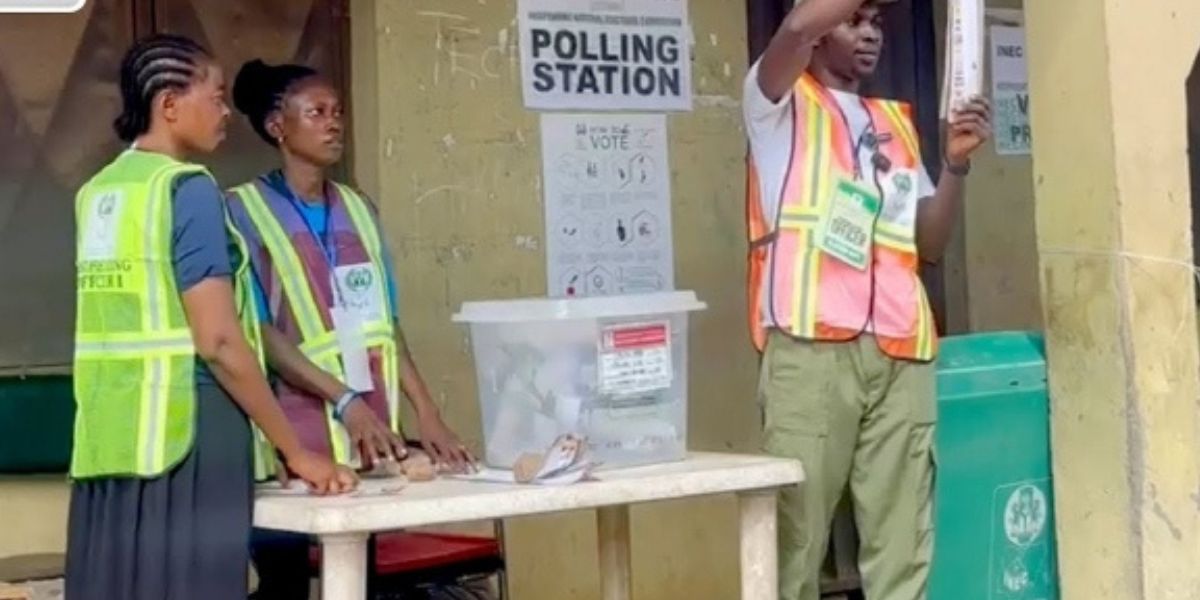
{"x": 849, "y": 224}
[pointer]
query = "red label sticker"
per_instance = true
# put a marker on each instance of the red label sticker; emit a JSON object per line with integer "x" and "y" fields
{"x": 636, "y": 338}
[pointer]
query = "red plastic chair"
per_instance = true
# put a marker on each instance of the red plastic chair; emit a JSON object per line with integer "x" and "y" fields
{"x": 407, "y": 558}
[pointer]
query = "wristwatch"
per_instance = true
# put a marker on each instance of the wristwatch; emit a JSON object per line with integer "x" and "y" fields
{"x": 339, "y": 408}
{"x": 959, "y": 171}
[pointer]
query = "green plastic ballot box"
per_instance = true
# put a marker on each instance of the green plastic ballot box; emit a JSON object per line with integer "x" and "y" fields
{"x": 994, "y": 509}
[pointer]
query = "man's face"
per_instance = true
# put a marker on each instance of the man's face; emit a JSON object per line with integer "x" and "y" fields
{"x": 852, "y": 49}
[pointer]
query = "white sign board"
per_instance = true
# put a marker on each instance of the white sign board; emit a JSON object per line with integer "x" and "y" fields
{"x": 606, "y": 55}
{"x": 964, "y": 54}
{"x": 1010, "y": 91}
{"x": 41, "y": 6}
{"x": 635, "y": 358}
{"x": 608, "y": 204}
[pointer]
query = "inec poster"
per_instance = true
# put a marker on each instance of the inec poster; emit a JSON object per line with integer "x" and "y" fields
{"x": 1010, "y": 91}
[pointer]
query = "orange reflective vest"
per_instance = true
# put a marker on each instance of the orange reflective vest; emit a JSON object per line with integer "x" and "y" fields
{"x": 811, "y": 295}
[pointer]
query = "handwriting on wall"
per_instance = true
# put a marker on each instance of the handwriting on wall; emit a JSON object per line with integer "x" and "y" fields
{"x": 463, "y": 52}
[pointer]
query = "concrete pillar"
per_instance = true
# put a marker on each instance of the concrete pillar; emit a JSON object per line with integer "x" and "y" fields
{"x": 1107, "y": 89}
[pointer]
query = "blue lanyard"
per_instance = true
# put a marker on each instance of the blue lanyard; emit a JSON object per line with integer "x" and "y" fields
{"x": 326, "y": 239}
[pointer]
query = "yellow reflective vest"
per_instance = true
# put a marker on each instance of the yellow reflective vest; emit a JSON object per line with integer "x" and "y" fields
{"x": 134, "y": 367}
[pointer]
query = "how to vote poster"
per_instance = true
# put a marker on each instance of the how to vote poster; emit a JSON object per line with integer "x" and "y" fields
{"x": 605, "y": 55}
{"x": 608, "y": 204}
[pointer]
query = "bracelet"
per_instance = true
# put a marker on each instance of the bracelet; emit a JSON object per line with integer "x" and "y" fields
{"x": 339, "y": 408}
{"x": 961, "y": 171}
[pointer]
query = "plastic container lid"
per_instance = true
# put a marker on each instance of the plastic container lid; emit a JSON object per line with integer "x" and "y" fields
{"x": 562, "y": 309}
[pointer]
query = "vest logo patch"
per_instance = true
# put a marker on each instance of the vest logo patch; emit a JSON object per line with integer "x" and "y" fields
{"x": 360, "y": 279}
{"x": 106, "y": 205}
{"x": 102, "y": 226}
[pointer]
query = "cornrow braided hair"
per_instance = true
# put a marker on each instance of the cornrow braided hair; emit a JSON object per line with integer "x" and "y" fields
{"x": 152, "y": 65}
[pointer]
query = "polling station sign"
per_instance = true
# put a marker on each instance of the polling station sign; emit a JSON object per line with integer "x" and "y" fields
{"x": 602, "y": 55}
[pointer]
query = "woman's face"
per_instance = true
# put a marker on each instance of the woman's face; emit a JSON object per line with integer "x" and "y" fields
{"x": 200, "y": 112}
{"x": 310, "y": 123}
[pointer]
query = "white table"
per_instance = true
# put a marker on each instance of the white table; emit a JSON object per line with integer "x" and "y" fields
{"x": 344, "y": 524}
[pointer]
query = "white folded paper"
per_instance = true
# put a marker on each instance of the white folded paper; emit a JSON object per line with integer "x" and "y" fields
{"x": 963, "y": 73}
{"x": 574, "y": 475}
{"x": 564, "y": 463}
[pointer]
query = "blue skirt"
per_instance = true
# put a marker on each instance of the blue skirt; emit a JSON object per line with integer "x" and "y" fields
{"x": 182, "y": 536}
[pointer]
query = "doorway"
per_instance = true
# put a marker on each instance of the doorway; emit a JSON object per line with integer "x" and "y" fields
{"x": 58, "y": 97}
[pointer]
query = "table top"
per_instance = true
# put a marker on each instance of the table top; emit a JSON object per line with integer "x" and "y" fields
{"x": 452, "y": 501}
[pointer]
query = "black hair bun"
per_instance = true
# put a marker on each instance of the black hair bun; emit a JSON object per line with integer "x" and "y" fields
{"x": 252, "y": 94}
{"x": 259, "y": 88}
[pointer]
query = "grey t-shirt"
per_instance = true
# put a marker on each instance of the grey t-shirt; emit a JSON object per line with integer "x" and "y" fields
{"x": 200, "y": 245}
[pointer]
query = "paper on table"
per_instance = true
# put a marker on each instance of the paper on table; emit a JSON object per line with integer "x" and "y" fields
{"x": 564, "y": 463}
{"x": 574, "y": 475}
{"x": 298, "y": 488}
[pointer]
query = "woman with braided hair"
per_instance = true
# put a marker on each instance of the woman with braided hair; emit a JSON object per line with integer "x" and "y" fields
{"x": 168, "y": 356}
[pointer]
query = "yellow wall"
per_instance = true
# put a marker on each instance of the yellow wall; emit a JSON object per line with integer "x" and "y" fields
{"x": 33, "y": 515}
{"x": 444, "y": 144}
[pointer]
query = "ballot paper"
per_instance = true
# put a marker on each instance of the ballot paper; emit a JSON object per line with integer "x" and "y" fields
{"x": 963, "y": 73}
{"x": 564, "y": 463}
{"x": 488, "y": 475}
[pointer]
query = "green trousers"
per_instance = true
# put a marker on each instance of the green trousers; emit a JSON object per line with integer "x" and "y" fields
{"x": 854, "y": 417}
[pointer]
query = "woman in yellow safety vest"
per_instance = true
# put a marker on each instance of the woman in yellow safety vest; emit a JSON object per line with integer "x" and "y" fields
{"x": 164, "y": 457}
{"x": 332, "y": 331}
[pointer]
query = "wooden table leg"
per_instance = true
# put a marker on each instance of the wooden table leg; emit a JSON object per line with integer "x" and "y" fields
{"x": 760, "y": 563}
{"x": 615, "y": 578}
{"x": 344, "y": 567}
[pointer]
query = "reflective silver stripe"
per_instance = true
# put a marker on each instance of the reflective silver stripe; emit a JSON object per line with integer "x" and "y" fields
{"x": 152, "y": 398}
{"x": 368, "y": 232}
{"x": 393, "y": 388}
{"x": 150, "y": 245}
{"x": 357, "y": 207}
{"x": 319, "y": 351}
{"x": 181, "y": 346}
{"x": 288, "y": 264}
{"x": 154, "y": 432}
{"x": 885, "y": 237}
{"x": 373, "y": 335}
{"x": 155, "y": 410}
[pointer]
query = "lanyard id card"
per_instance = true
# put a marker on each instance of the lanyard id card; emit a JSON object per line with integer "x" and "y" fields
{"x": 356, "y": 302}
{"x": 359, "y": 288}
{"x": 352, "y": 285}
{"x": 849, "y": 224}
{"x": 347, "y": 326}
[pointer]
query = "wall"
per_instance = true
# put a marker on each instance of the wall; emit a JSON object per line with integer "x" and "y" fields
{"x": 33, "y": 515}
{"x": 992, "y": 266}
{"x": 444, "y": 144}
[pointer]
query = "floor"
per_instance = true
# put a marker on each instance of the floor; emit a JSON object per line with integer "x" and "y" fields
{"x": 45, "y": 590}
